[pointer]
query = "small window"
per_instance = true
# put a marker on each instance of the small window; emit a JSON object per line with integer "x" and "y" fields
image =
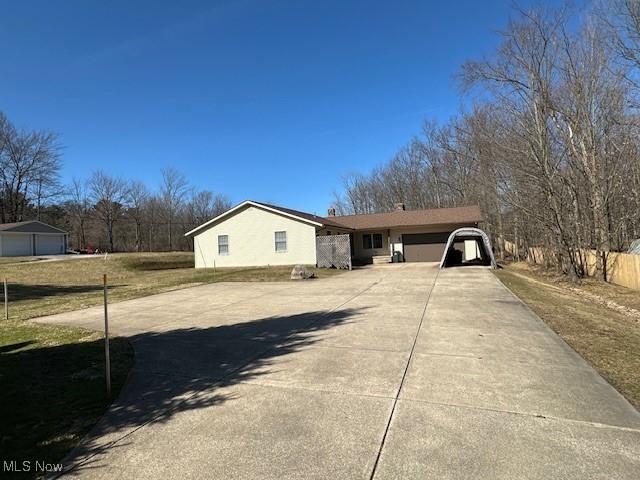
{"x": 223, "y": 244}
{"x": 281, "y": 241}
{"x": 371, "y": 241}
{"x": 366, "y": 241}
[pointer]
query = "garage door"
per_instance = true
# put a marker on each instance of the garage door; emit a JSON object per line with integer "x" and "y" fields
{"x": 424, "y": 247}
{"x": 16, "y": 245}
{"x": 49, "y": 244}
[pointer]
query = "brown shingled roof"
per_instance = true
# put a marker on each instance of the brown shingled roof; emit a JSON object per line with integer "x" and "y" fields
{"x": 410, "y": 218}
{"x": 329, "y": 222}
{"x": 466, "y": 216}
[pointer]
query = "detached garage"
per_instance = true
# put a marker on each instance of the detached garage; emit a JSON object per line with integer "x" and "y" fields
{"x": 24, "y": 239}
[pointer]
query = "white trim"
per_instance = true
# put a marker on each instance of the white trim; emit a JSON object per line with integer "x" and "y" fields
{"x": 223, "y": 244}
{"x": 276, "y": 241}
{"x": 257, "y": 205}
{"x": 373, "y": 246}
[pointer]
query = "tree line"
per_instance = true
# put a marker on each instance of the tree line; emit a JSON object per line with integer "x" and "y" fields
{"x": 103, "y": 211}
{"x": 549, "y": 148}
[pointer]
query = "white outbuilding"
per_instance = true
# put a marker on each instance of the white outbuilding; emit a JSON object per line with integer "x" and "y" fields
{"x": 23, "y": 239}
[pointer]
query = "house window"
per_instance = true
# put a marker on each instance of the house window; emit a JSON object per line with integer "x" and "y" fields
{"x": 281, "y": 241}
{"x": 223, "y": 244}
{"x": 371, "y": 240}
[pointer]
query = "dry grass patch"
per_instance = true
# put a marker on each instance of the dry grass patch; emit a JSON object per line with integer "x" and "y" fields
{"x": 52, "y": 377}
{"x": 45, "y": 288}
{"x": 10, "y": 260}
{"x": 608, "y": 291}
{"x": 607, "y": 338}
{"x": 53, "y": 388}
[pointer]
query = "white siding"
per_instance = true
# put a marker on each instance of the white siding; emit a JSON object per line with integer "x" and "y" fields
{"x": 49, "y": 244}
{"x": 251, "y": 232}
{"x": 15, "y": 245}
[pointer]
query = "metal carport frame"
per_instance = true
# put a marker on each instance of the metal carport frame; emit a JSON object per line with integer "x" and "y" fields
{"x": 469, "y": 232}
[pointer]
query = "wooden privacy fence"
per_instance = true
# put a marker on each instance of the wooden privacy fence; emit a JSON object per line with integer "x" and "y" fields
{"x": 622, "y": 268}
{"x": 333, "y": 251}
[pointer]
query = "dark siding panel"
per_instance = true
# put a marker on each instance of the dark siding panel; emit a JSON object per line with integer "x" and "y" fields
{"x": 425, "y": 238}
{"x": 424, "y": 247}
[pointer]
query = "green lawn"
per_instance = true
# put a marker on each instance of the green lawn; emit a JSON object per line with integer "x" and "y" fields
{"x": 52, "y": 377}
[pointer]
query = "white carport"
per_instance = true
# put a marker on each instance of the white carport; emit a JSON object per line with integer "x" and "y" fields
{"x": 23, "y": 239}
{"x": 483, "y": 253}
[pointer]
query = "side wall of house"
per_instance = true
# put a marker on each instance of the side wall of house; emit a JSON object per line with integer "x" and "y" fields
{"x": 251, "y": 234}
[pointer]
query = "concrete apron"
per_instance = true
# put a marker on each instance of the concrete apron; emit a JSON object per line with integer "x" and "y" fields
{"x": 373, "y": 373}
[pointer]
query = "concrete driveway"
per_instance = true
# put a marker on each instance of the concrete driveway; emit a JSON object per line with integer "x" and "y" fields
{"x": 388, "y": 372}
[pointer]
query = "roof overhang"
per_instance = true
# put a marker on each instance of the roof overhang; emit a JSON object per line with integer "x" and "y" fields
{"x": 31, "y": 227}
{"x": 335, "y": 226}
{"x": 430, "y": 226}
{"x": 469, "y": 215}
{"x": 246, "y": 203}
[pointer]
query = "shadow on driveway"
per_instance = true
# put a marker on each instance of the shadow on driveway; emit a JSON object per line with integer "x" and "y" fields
{"x": 181, "y": 369}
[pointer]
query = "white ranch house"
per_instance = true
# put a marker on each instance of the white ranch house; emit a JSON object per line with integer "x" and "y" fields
{"x": 259, "y": 234}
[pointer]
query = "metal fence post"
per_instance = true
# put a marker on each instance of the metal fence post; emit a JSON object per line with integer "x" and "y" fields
{"x": 106, "y": 338}
{"x": 6, "y": 300}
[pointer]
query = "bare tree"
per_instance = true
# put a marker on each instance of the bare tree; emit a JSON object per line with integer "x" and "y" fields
{"x": 152, "y": 212}
{"x": 523, "y": 78}
{"x": 173, "y": 191}
{"x": 205, "y": 205}
{"x": 137, "y": 198}
{"x": 97, "y": 207}
{"x": 550, "y": 152}
{"x": 589, "y": 111}
{"x": 108, "y": 195}
{"x": 78, "y": 207}
{"x": 29, "y": 167}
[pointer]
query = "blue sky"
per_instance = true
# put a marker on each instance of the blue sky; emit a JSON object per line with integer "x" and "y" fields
{"x": 268, "y": 100}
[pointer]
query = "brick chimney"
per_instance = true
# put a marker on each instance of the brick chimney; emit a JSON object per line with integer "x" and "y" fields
{"x": 331, "y": 212}
{"x": 400, "y": 206}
